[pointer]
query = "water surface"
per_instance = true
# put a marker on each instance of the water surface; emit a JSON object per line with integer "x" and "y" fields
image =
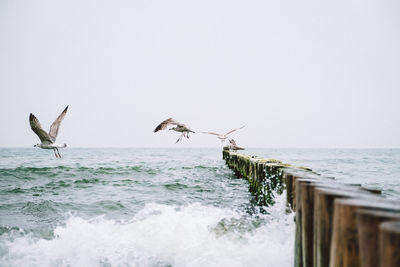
{"x": 157, "y": 207}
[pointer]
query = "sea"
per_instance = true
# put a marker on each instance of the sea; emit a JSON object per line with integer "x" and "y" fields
{"x": 159, "y": 206}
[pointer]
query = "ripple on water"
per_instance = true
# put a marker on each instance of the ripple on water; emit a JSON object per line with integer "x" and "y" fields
{"x": 176, "y": 186}
{"x": 87, "y": 181}
{"x": 16, "y": 191}
{"x": 41, "y": 208}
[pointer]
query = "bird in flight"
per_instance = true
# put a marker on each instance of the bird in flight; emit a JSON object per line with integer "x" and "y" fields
{"x": 234, "y": 146}
{"x": 48, "y": 139}
{"x": 223, "y": 137}
{"x": 179, "y": 127}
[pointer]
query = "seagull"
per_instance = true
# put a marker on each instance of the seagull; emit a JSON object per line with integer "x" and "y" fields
{"x": 233, "y": 145}
{"x": 223, "y": 137}
{"x": 182, "y": 128}
{"x": 47, "y": 139}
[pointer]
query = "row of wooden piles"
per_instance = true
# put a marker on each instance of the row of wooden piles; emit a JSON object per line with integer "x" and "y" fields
{"x": 337, "y": 224}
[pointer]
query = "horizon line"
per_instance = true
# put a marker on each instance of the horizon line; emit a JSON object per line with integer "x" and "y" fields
{"x": 199, "y": 147}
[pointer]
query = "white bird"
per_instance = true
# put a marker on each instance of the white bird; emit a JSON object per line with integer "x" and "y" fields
{"x": 223, "y": 137}
{"x": 182, "y": 128}
{"x": 48, "y": 139}
{"x": 234, "y": 146}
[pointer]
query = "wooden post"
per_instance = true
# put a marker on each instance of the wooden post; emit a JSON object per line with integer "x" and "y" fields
{"x": 304, "y": 221}
{"x": 300, "y": 175}
{"x": 261, "y": 171}
{"x": 368, "y": 234}
{"x": 288, "y": 178}
{"x": 304, "y": 206}
{"x": 307, "y": 202}
{"x": 308, "y": 235}
{"x": 298, "y": 257}
{"x": 307, "y": 214}
{"x": 344, "y": 248}
{"x": 389, "y": 244}
{"x": 323, "y": 220}
{"x": 295, "y": 198}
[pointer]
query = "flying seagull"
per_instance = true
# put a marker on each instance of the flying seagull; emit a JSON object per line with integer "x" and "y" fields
{"x": 223, "y": 137}
{"x": 182, "y": 128}
{"x": 233, "y": 145}
{"x": 48, "y": 139}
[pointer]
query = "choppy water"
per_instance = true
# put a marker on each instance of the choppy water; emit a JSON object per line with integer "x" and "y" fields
{"x": 156, "y": 207}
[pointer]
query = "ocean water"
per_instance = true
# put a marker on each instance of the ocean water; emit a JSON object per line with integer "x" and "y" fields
{"x": 157, "y": 207}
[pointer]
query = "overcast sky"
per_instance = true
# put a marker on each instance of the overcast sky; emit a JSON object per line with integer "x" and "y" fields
{"x": 296, "y": 73}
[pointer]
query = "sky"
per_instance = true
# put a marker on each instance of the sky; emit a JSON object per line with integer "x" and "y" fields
{"x": 299, "y": 74}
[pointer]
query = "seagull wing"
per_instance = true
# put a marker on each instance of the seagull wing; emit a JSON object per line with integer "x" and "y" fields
{"x": 217, "y": 134}
{"x": 56, "y": 124}
{"x": 234, "y": 130}
{"x": 37, "y": 128}
{"x": 163, "y": 125}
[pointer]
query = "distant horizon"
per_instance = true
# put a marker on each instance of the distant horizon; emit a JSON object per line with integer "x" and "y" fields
{"x": 214, "y": 147}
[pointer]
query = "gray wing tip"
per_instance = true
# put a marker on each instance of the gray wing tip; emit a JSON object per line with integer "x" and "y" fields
{"x": 31, "y": 117}
{"x": 159, "y": 127}
{"x": 163, "y": 124}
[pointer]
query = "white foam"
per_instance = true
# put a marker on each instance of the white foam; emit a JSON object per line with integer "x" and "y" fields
{"x": 161, "y": 235}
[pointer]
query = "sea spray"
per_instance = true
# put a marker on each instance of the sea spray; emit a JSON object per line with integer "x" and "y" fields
{"x": 164, "y": 235}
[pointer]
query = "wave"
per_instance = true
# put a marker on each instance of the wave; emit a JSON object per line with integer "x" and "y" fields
{"x": 160, "y": 235}
{"x": 16, "y": 191}
{"x": 110, "y": 205}
{"x": 32, "y": 172}
{"x": 175, "y": 186}
{"x": 204, "y": 167}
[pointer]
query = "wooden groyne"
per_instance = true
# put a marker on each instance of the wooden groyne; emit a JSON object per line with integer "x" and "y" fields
{"x": 337, "y": 224}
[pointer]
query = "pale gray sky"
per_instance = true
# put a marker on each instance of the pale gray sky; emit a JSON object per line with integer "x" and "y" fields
{"x": 296, "y": 73}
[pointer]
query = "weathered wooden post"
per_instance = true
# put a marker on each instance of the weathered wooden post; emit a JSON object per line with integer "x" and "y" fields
{"x": 304, "y": 221}
{"x": 295, "y": 198}
{"x": 307, "y": 202}
{"x": 345, "y": 248}
{"x": 302, "y": 201}
{"x": 288, "y": 179}
{"x": 324, "y": 198}
{"x": 368, "y": 234}
{"x": 306, "y": 205}
{"x": 305, "y": 188}
{"x": 260, "y": 170}
{"x": 298, "y": 257}
{"x": 389, "y": 244}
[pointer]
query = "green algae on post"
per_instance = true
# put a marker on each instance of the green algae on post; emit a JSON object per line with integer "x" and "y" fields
{"x": 265, "y": 175}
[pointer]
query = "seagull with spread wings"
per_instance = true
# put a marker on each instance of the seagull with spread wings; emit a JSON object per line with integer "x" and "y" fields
{"x": 179, "y": 127}
{"x": 223, "y": 137}
{"x": 48, "y": 139}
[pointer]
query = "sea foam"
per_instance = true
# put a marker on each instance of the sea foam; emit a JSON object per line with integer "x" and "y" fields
{"x": 163, "y": 235}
